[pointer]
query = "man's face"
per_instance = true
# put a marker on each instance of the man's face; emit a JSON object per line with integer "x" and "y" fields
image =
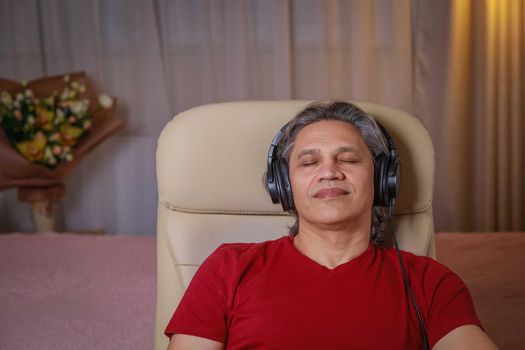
{"x": 331, "y": 173}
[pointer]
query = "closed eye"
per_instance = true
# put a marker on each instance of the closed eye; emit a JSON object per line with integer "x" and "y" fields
{"x": 308, "y": 163}
{"x": 350, "y": 161}
{"x": 308, "y": 160}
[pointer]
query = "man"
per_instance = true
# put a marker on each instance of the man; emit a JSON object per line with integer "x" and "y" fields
{"x": 328, "y": 285}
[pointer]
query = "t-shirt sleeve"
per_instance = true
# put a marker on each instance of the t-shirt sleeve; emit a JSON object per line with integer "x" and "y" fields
{"x": 451, "y": 304}
{"x": 203, "y": 310}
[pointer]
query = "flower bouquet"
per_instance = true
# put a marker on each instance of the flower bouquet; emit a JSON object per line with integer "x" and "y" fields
{"x": 47, "y": 126}
{"x": 44, "y": 130}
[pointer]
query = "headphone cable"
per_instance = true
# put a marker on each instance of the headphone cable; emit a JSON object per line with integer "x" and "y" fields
{"x": 405, "y": 279}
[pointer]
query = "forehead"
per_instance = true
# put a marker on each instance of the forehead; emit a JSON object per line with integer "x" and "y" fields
{"x": 327, "y": 134}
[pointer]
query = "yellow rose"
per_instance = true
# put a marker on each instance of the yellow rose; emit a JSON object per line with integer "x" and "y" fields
{"x": 69, "y": 134}
{"x": 44, "y": 118}
{"x": 32, "y": 149}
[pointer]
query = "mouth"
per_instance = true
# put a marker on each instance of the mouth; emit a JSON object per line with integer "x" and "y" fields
{"x": 332, "y": 192}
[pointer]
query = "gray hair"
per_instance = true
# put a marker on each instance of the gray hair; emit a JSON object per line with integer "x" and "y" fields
{"x": 348, "y": 113}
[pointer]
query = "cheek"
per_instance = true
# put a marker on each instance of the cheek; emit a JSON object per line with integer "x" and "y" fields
{"x": 364, "y": 180}
{"x": 368, "y": 180}
{"x": 297, "y": 186}
{"x": 368, "y": 185}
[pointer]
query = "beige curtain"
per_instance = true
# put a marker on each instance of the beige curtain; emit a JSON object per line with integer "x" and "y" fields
{"x": 160, "y": 57}
{"x": 282, "y": 49}
{"x": 456, "y": 64}
{"x": 470, "y": 77}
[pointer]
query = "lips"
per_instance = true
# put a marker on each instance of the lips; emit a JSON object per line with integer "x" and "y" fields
{"x": 331, "y": 192}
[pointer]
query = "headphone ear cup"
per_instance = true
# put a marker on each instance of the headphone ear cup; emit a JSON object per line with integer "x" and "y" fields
{"x": 285, "y": 187}
{"x": 393, "y": 177}
{"x": 386, "y": 180}
{"x": 272, "y": 181}
{"x": 386, "y": 173}
{"x": 380, "y": 178}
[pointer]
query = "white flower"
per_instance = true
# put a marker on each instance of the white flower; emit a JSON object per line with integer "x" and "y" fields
{"x": 85, "y": 105}
{"x": 69, "y": 157}
{"x": 48, "y": 154}
{"x": 59, "y": 117}
{"x": 19, "y": 97}
{"x": 28, "y": 93}
{"x": 77, "y": 107}
{"x": 6, "y": 98}
{"x": 66, "y": 78}
{"x": 50, "y": 100}
{"x": 105, "y": 101}
{"x": 30, "y": 120}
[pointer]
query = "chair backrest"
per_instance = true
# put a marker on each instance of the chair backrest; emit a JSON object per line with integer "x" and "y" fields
{"x": 210, "y": 163}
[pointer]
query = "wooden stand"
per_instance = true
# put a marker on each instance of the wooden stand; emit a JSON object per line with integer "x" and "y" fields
{"x": 43, "y": 216}
{"x": 42, "y": 200}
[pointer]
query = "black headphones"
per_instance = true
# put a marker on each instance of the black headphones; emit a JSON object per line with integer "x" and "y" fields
{"x": 386, "y": 174}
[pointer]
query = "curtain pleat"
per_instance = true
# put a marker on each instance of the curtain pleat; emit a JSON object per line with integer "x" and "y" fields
{"x": 503, "y": 206}
{"x": 517, "y": 126}
{"x": 478, "y": 133}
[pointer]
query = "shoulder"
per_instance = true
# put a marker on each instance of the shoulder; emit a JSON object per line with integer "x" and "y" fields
{"x": 425, "y": 272}
{"x": 239, "y": 251}
{"x": 237, "y": 258}
{"x": 419, "y": 265}
{"x": 441, "y": 294}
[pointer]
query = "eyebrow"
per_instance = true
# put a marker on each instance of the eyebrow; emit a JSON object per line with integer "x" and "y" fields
{"x": 344, "y": 149}
{"x": 341, "y": 149}
{"x": 308, "y": 152}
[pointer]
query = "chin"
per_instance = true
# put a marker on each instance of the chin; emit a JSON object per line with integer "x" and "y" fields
{"x": 337, "y": 216}
{"x": 332, "y": 218}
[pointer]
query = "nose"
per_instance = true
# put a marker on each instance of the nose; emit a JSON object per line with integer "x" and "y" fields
{"x": 329, "y": 171}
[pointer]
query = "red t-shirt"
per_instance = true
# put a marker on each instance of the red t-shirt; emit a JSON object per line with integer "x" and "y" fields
{"x": 270, "y": 296}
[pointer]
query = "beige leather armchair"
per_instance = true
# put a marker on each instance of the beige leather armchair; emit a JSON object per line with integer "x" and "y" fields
{"x": 210, "y": 162}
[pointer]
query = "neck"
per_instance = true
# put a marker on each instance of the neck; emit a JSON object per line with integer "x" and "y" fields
{"x": 331, "y": 247}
